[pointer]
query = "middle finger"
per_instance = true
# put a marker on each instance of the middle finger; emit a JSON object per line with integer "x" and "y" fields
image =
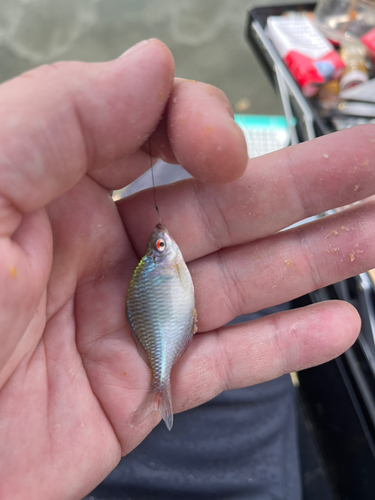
{"x": 276, "y": 190}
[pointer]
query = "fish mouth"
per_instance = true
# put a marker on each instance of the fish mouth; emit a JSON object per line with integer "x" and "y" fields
{"x": 161, "y": 227}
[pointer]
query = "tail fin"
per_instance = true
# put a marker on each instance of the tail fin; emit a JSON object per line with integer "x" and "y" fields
{"x": 160, "y": 401}
{"x": 165, "y": 408}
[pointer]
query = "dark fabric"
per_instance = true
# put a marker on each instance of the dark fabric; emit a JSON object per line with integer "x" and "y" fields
{"x": 241, "y": 445}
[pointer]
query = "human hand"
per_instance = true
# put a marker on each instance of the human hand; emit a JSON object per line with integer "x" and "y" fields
{"x": 71, "y": 377}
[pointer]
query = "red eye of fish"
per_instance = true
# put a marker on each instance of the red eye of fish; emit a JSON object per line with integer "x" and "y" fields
{"x": 160, "y": 245}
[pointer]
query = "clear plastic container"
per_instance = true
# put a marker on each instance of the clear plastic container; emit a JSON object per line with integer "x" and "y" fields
{"x": 345, "y": 20}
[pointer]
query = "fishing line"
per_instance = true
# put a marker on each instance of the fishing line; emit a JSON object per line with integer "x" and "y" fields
{"x": 153, "y": 180}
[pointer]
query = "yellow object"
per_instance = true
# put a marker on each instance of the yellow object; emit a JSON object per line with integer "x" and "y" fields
{"x": 353, "y": 55}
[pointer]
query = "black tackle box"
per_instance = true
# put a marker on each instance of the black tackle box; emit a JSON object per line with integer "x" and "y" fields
{"x": 338, "y": 397}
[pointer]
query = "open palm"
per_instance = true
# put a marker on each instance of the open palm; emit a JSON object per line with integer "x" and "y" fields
{"x": 71, "y": 377}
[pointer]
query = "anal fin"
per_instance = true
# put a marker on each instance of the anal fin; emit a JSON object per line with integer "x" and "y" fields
{"x": 195, "y": 322}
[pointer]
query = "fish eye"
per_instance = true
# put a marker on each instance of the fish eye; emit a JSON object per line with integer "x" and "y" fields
{"x": 160, "y": 245}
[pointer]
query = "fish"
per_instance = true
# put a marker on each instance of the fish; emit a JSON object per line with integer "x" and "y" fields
{"x": 160, "y": 307}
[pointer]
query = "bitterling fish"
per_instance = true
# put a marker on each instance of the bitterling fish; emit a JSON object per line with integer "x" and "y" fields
{"x": 161, "y": 310}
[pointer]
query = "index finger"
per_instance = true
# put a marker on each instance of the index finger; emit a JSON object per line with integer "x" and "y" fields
{"x": 198, "y": 131}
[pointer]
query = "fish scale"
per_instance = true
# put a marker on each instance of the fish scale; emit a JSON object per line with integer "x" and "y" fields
{"x": 160, "y": 308}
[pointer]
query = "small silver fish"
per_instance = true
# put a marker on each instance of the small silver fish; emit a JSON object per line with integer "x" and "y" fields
{"x": 161, "y": 310}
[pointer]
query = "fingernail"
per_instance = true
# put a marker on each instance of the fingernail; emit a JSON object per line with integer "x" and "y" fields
{"x": 135, "y": 47}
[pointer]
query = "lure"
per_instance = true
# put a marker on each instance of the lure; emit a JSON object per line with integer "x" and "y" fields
{"x": 161, "y": 311}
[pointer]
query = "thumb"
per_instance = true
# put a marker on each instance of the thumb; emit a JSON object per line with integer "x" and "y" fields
{"x": 58, "y": 122}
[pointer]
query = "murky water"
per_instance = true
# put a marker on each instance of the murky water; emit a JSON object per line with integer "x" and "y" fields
{"x": 205, "y": 36}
